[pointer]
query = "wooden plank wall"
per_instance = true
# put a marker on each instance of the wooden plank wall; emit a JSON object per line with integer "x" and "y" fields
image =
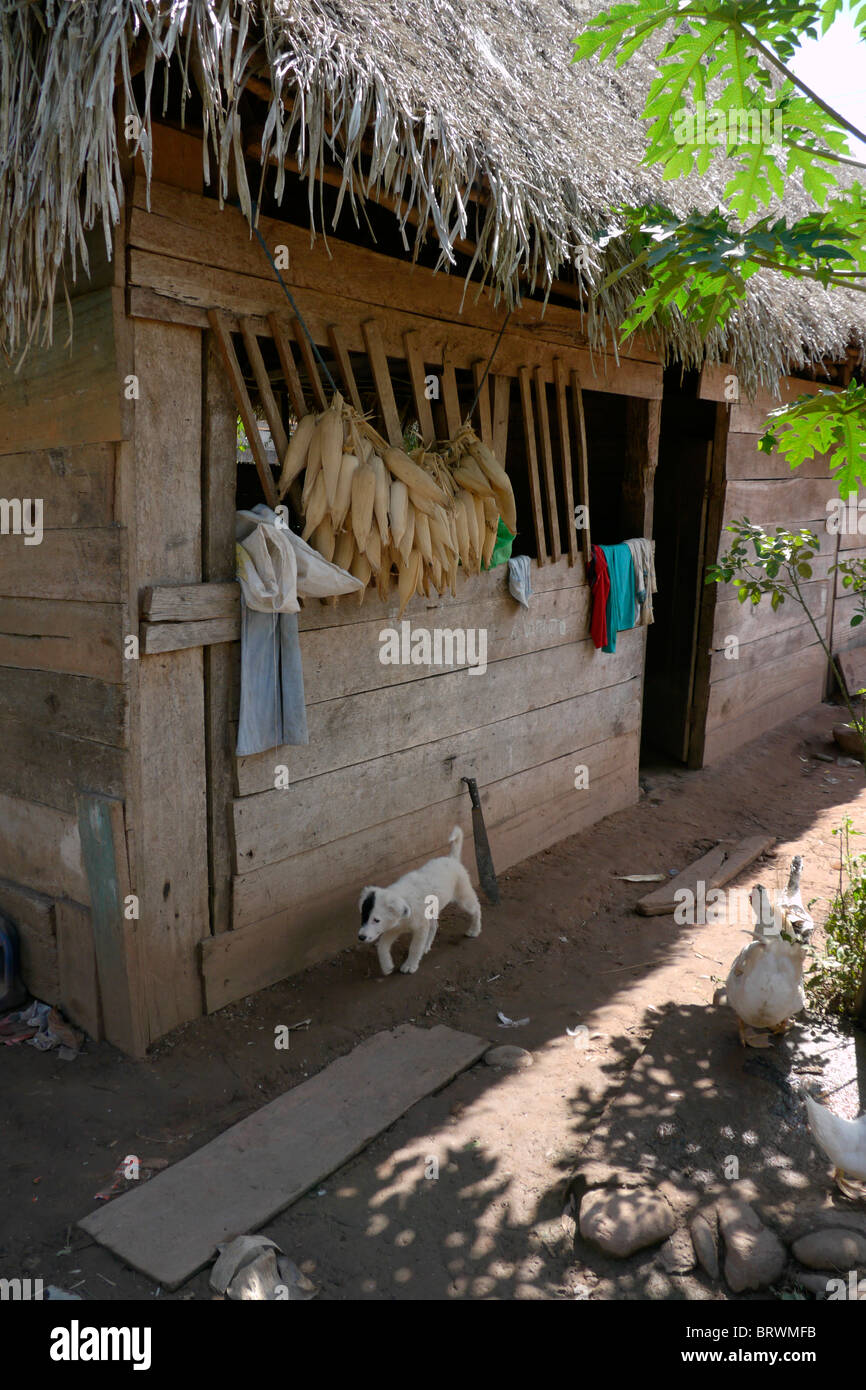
{"x": 378, "y": 788}
{"x": 64, "y": 721}
{"x": 779, "y": 670}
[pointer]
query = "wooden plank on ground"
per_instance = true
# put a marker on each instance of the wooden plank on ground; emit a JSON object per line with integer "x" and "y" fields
{"x": 171, "y": 1226}
{"x": 532, "y": 463}
{"x": 714, "y": 870}
{"x": 67, "y": 393}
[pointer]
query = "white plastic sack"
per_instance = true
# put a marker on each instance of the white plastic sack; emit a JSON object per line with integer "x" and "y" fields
{"x": 274, "y": 565}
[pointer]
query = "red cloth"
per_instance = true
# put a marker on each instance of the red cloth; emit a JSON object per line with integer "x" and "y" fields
{"x": 600, "y": 589}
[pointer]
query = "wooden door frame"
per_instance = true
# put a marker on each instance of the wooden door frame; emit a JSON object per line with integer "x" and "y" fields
{"x": 709, "y": 549}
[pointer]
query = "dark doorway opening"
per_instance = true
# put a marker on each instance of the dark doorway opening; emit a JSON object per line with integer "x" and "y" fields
{"x": 680, "y": 532}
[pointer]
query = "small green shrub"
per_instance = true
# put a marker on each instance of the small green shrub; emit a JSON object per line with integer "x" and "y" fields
{"x": 834, "y": 979}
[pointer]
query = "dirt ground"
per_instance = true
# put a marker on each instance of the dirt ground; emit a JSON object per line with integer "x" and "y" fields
{"x": 564, "y": 948}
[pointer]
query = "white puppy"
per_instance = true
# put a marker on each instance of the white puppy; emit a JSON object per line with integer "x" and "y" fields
{"x": 413, "y": 904}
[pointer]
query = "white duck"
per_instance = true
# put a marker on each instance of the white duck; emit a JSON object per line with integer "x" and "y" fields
{"x": 791, "y": 916}
{"x": 765, "y": 983}
{"x": 843, "y": 1141}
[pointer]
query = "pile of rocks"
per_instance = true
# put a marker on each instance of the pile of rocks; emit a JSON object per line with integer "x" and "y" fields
{"x": 724, "y": 1236}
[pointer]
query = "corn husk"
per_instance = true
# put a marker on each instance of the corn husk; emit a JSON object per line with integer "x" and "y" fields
{"x": 363, "y": 501}
{"x": 314, "y": 466}
{"x": 323, "y": 538}
{"x": 295, "y": 459}
{"x": 382, "y": 498}
{"x": 408, "y": 580}
{"x": 344, "y": 550}
{"x": 330, "y": 427}
{"x": 402, "y": 467}
{"x": 398, "y": 508}
{"x": 316, "y": 507}
{"x": 422, "y": 536}
{"x": 348, "y": 468}
{"x": 408, "y": 538}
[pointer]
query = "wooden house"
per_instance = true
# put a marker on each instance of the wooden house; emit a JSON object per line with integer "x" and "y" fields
{"x": 155, "y": 876}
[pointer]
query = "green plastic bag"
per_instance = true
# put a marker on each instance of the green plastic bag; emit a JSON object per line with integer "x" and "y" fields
{"x": 502, "y": 548}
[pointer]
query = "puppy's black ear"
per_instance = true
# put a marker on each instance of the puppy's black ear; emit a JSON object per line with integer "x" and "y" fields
{"x": 365, "y": 903}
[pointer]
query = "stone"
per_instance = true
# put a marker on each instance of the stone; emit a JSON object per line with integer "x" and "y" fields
{"x": 754, "y": 1255}
{"x": 513, "y": 1058}
{"x": 677, "y": 1255}
{"x": 831, "y": 1249}
{"x": 622, "y": 1221}
{"x": 705, "y": 1239}
{"x": 815, "y": 1283}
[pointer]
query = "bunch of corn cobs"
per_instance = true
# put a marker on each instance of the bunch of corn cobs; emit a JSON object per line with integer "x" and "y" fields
{"x": 374, "y": 509}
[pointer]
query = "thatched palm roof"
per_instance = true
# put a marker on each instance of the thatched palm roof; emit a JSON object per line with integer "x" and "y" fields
{"x": 430, "y": 99}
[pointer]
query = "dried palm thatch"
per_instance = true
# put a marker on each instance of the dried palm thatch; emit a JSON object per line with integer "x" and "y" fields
{"x": 469, "y": 112}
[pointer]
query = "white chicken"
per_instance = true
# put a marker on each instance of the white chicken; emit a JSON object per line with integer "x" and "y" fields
{"x": 765, "y": 983}
{"x": 843, "y": 1141}
{"x": 790, "y": 914}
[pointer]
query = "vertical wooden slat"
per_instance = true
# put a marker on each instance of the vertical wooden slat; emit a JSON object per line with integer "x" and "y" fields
{"x": 532, "y": 462}
{"x": 547, "y": 459}
{"x": 311, "y": 365}
{"x": 263, "y": 381}
{"x": 415, "y": 363}
{"x": 287, "y": 363}
{"x": 582, "y": 461}
{"x": 484, "y": 426}
{"x": 451, "y": 399}
{"x": 382, "y": 380}
{"x": 118, "y": 964}
{"x": 344, "y": 362}
{"x": 565, "y": 456}
{"x": 501, "y": 406}
{"x": 219, "y": 481}
{"x": 245, "y": 409}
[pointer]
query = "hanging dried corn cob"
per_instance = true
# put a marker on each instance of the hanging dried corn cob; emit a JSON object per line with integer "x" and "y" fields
{"x": 374, "y": 508}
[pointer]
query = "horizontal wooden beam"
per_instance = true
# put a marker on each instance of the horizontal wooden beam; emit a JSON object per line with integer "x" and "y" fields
{"x": 183, "y": 603}
{"x": 175, "y": 637}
